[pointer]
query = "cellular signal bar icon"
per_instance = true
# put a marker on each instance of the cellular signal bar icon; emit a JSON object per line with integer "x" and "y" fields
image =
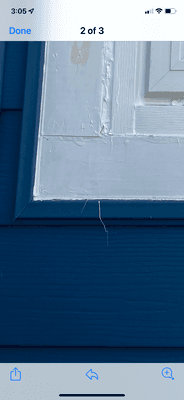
{"x": 149, "y": 11}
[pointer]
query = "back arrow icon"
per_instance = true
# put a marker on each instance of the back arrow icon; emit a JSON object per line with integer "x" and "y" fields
{"x": 92, "y": 374}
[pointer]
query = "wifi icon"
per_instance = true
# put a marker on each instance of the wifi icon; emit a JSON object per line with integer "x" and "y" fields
{"x": 159, "y": 10}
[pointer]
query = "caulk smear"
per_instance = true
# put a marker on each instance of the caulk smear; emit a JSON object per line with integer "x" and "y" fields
{"x": 106, "y": 92}
{"x": 80, "y": 56}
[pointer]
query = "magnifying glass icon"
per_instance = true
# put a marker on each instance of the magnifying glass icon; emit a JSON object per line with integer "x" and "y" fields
{"x": 167, "y": 373}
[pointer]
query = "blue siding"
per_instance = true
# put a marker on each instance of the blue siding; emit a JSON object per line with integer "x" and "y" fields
{"x": 14, "y": 75}
{"x": 89, "y": 355}
{"x": 2, "y": 57}
{"x": 64, "y": 286}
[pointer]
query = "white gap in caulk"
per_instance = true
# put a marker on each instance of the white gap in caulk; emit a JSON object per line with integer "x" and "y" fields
{"x": 103, "y": 222}
{"x": 99, "y": 218}
{"x": 107, "y": 79}
{"x": 84, "y": 205}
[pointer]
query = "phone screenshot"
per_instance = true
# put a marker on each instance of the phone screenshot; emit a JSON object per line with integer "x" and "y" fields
{"x": 91, "y": 200}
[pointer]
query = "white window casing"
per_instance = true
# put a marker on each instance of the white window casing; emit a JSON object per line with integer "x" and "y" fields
{"x": 111, "y": 122}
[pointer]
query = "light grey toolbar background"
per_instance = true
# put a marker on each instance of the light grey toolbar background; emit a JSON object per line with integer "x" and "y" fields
{"x": 103, "y": 20}
{"x": 136, "y": 381}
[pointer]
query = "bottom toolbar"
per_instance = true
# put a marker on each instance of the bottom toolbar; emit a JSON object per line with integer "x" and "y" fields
{"x": 82, "y": 380}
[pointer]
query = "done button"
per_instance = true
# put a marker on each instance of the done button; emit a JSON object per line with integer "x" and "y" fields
{"x": 19, "y": 31}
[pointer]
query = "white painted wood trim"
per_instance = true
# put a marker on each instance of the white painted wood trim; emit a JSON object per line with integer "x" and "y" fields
{"x": 124, "y": 87}
{"x": 124, "y": 167}
{"x": 139, "y": 153}
{"x": 160, "y": 120}
{"x": 73, "y": 103}
{"x": 177, "y": 56}
{"x": 162, "y": 78}
{"x": 131, "y": 113}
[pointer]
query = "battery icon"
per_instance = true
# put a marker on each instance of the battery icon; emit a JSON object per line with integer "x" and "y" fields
{"x": 170, "y": 10}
